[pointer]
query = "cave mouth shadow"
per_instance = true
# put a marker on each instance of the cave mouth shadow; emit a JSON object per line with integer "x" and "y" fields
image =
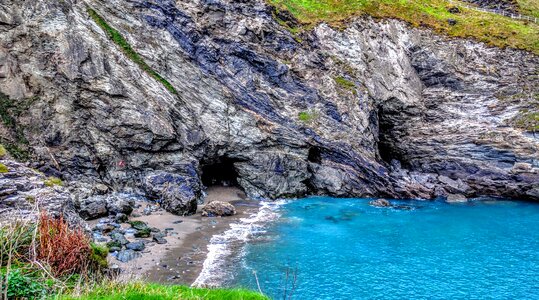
{"x": 220, "y": 172}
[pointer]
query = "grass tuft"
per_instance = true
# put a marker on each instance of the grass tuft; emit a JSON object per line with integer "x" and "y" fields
{"x": 3, "y": 168}
{"x": 53, "y": 181}
{"x": 3, "y": 151}
{"x": 119, "y": 40}
{"x": 345, "y": 83}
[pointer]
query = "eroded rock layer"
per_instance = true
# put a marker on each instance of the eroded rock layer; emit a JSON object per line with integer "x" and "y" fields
{"x": 378, "y": 109}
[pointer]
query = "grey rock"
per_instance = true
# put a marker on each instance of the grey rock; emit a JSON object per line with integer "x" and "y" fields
{"x": 22, "y": 188}
{"x": 114, "y": 249}
{"x": 137, "y": 246}
{"x": 380, "y": 203}
{"x": 127, "y": 255}
{"x": 159, "y": 238}
{"x": 120, "y": 218}
{"x": 92, "y": 208}
{"x": 456, "y": 198}
{"x": 119, "y": 204}
{"x": 120, "y": 238}
{"x": 218, "y": 209}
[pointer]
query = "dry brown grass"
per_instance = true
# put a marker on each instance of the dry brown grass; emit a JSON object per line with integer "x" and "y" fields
{"x": 65, "y": 250}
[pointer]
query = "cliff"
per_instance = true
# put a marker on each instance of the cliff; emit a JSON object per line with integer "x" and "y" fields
{"x": 161, "y": 97}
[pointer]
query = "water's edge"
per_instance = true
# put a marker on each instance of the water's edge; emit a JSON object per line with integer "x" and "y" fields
{"x": 227, "y": 248}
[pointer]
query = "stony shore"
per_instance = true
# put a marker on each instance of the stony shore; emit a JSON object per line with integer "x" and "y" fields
{"x": 180, "y": 260}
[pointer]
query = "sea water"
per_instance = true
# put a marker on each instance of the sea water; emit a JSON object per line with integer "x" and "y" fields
{"x": 326, "y": 248}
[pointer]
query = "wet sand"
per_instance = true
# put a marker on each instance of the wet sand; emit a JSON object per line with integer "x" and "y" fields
{"x": 180, "y": 260}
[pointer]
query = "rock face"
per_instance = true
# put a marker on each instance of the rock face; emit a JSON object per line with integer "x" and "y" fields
{"x": 378, "y": 109}
{"x": 24, "y": 193}
{"x": 218, "y": 209}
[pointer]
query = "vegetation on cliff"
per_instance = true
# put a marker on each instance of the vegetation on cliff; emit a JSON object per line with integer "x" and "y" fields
{"x": 493, "y": 29}
{"x": 119, "y": 40}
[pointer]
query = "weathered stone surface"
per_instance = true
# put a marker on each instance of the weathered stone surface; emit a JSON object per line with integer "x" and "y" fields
{"x": 127, "y": 255}
{"x": 23, "y": 195}
{"x": 380, "y": 203}
{"x": 218, "y": 209}
{"x": 439, "y": 108}
{"x": 456, "y": 198}
{"x": 137, "y": 246}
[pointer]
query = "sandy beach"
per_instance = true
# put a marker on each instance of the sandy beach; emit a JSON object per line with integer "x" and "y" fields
{"x": 180, "y": 260}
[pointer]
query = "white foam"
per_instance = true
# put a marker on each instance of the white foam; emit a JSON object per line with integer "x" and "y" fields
{"x": 214, "y": 270}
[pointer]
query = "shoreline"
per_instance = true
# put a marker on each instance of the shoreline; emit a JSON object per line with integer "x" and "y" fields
{"x": 181, "y": 259}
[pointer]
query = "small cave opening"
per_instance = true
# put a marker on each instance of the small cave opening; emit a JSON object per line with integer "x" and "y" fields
{"x": 390, "y": 119}
{"x": 220, "y": 172}
{"x": 315, "y": 155}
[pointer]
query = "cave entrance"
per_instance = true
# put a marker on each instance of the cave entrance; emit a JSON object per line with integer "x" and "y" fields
{"x": 220, "y": 173}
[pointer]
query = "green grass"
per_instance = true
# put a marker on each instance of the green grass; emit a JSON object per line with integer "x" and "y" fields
{"x": 345, "y": 83}
{"x": 52, "y": 181}
{"x": 142, "y": 291}
{"x": 3, "y": 151}
{"x": 528, "y": 121}
{"x": 529, "y": 7}
{"x": 307, "y": 116}
{"x": 490, "y": 28}
{"x": 119, "y": 40}
{"x": 3, "y": 168}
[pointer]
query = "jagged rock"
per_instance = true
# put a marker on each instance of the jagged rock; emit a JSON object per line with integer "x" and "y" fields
{"x": 414, "y": 97}
{"x": 23, "y": 195}
{"x": 178, "y": 193}
{"x": 127, "y": 255}
{"x": 137, "y": 246}
{"x": 119, "y": 238}
{"x": 456, "y": 198}
{"x": 380, "y": 203}
{"x": 119, "y": 204}
{"x": 92, "y": 208}
{"x": 218, "y": 209}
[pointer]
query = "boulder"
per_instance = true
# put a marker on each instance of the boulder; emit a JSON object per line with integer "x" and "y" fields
{"x": 92, "y": 208}
{"x": 380, "y": 203}
{"x": 127, "y": 255}
{"x": 177, "y": 193}
{"x": 218, "y": 209}
{"x": 137, "y": 246}
{"x": 456, "y": 198}
{"x": 120, "y": 205}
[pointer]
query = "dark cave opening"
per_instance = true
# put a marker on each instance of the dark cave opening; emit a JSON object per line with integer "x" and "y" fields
{"x": 315, "y": 155}
{"x": 220, "y": 172}
{"x": 390, "y": 118}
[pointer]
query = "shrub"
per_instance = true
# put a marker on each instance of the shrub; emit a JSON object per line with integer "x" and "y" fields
{"x": 98, "y": 256}
{"x": 52, "y": 181}
{"x": 15, "y": 242}
{"x": 3, "y": 168}
{"x": 23, "y": 284}
{"x": 67, "y": 251}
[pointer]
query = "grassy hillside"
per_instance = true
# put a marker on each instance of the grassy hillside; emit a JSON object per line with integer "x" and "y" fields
{"x": 490, "y": 28}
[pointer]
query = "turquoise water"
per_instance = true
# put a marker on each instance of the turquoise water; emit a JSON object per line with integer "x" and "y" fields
{"x": 346, "y": 249}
